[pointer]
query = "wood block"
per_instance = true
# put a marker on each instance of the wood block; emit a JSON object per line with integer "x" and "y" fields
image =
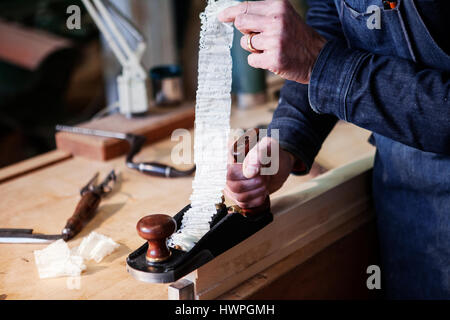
{"x": 159, "y": 124}
{"x": 182, "y": 289}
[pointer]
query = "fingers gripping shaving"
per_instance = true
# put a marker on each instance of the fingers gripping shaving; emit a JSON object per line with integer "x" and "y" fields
{"x": 262, "y": 159}
{"x": 265, "y": 169}
{"x": 288, "y": 46}
{"x": 248, "y": 23}
{"x": 246, "y": 7}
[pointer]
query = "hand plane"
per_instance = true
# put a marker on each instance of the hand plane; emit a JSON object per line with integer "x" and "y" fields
{"x": 154, "y": 261}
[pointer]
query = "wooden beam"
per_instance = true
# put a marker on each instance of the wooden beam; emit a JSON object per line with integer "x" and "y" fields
{"x": 336, "y": 272}
{"x": 33, "y": 164}
{"x": 318, "y": 207}
{"x": 259, "y": 283}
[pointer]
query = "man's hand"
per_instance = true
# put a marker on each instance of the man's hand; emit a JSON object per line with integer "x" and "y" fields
{"x": 288, "y": 47}
{"x": 246, "y": 186}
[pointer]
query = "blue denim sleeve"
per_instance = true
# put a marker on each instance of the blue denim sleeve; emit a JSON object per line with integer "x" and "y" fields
{"x": 390, "y": 96}
{"x": 301, "y": 130}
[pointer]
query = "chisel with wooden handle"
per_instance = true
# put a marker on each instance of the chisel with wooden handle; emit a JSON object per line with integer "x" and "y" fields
{"x": 86, "y": 209}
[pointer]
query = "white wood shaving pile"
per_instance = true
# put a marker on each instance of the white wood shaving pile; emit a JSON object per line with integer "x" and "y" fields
{"x": 95, "y": 247}
{"x": 58, "y": 260}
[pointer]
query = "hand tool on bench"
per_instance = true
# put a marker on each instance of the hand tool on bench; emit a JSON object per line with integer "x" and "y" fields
{"x": 156, "y": 262}
{"x": 86, "y": 209}
{"x": 136, "y": 142}
{"x": 11, "y": 235}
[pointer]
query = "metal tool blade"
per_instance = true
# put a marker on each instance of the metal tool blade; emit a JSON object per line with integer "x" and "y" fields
{"x": 15, "y": 230}
{"x": 107, "y": 185}
{"x": 90, "y": 185}
{"x": 92, "y": 132}
{"x": 165, "y": 277}
{"x": 14, "y": 237}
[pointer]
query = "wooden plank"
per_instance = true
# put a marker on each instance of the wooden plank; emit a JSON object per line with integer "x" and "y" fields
{"x": 159, "y": 124}
{"x": 30, "y": 165}
{"x": 337, "y": 272}
{"x": 268, "y": 276}
{"x": 299, "y": 217}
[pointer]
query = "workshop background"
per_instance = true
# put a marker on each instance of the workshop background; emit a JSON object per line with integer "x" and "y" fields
{"x": 50, "y": 74}
{"x": 323, "y": 236}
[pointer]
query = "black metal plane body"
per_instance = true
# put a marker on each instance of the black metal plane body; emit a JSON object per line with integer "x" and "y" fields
{"x": 227, "y": 230}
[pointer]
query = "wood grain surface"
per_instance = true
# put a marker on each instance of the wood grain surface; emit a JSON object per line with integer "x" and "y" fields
{"x": 44, "y": 199}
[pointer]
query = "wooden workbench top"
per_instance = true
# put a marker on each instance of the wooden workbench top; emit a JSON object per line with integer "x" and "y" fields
{"x": 44, "y": 199}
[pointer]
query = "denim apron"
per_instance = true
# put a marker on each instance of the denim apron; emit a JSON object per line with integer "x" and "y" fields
{"x": 411, "y": 188}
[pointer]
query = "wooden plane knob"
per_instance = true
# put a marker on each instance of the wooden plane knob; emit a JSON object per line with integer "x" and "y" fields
{"x": 156, "y": 228}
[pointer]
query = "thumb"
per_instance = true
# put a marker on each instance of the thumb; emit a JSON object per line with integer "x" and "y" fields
{"x": 252, "y": 162}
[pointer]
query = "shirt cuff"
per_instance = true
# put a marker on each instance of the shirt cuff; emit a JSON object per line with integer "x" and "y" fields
{"x": 331, "y": 78}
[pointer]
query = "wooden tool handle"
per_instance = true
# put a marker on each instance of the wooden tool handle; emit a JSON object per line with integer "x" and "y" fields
{"x": 84, "y": 212}
{"x": 241, "y": 148}
{"x": 244, "y": 144}
{"x": 156, "y": 228}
